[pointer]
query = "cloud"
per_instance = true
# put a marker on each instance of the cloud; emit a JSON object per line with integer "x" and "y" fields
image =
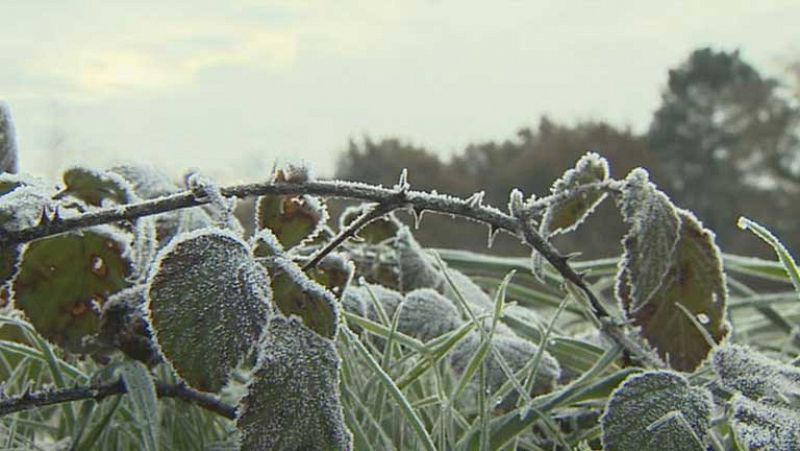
{"x": 156, "y": 57}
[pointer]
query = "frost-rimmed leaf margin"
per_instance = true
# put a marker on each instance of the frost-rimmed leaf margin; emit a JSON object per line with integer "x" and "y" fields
{"x": 206, "y": 367}
{"x": 670, "y": 282}
{"x": 566, "y": 215}
{"x": 650, "y": 398}
{"x": 293, "y": 396}
{"x": 653, "y": 236}
{"x": 321, "y": 314}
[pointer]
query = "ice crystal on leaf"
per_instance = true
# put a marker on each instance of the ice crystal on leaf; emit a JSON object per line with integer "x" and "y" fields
{"x": 208, "y": 302}
{"x": 293, "y": 397}
{"x": 741, "y": 369}
{"x": 8, "y": 141}
{"x": 671, "y": 269}
{"x": 649, "y": 408}
{"x": 571, "y": 205}
{"x": 426, "y": 314}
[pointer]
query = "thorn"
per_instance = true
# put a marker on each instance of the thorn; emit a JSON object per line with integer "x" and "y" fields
{"x": 492, "y": 234}
{"x": 417, "y": 212}
{"x": 476, "y": 200}
{"x": 44, "y": 219}
{"x": 402, "y": 184}
{"x": 56, "y": 216}
{"x": 27, "y": 395}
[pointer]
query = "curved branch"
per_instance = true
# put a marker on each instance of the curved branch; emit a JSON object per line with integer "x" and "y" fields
{"x": 417, "y": 200}
{"x": 99, "y": 392}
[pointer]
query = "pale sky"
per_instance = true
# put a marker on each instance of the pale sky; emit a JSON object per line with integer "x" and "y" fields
{"x": 229, "y": 87}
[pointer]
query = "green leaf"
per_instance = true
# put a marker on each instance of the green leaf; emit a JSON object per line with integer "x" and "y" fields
{"x": 765, "y": 425}
{"x": 293, "y": 219}
{"x": 144, "y": 402}
{"x": 655, "y": 411}
{"x": 675, "y": 292}
{"x": 63, "y": 282}
{"x": 296, "y": 294}
{"x": 96, "y": 187}
{"x": 293, "y": 397}
{"x": 572, "y": 206}
{"x": 743, "y": 370}
{"x": 208, "y": 302}
{"x": 780, "y": 250}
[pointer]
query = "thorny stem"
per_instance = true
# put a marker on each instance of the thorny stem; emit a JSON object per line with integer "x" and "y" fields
{"x": 368, "y": 216}
{"x": 418, "y": 201}
{"x": 99, "y": 392}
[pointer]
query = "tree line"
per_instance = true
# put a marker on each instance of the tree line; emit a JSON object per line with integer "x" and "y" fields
{"x": 723, "y": 143}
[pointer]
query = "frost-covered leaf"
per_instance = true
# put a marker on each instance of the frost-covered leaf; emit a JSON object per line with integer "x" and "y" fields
{"x": 741, "y": 369}
{"x": 376, "y": 296}
{"x": 123, "y": 325}
{"x": 21, "y": 205}
{"x": 650, "y": 243}
{"x": 293, "y": 397}
{"x": 517, "y": 352}
{"x": 8, "y": 141}
{"x": 147, "y": 181}
{"x": 647, "y": 409}
{"x": 478, "y": 299}
{"x": 765, "y": 425}
{"x": 426, "y": 314}
{"x": 334, "y": 272}
{"x": 693, "y": 284}
{"x": 417, "y": 268}
{"x": 150, "y": 183}
{"x": 142, "y": 393}
{"x": 293, "y": 219}
{"x": 377, "y": 231}
{"x": 296, "y": 294}
{"x": 63, "y": 282}
{"x": 97, "y": 187}
{"x": 208, "y": 302}
{"x": 573, "y": 205}
{"x": 265, "y": 244}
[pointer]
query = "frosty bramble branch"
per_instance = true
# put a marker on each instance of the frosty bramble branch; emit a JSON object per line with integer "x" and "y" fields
{"x": 140, "y": 315}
